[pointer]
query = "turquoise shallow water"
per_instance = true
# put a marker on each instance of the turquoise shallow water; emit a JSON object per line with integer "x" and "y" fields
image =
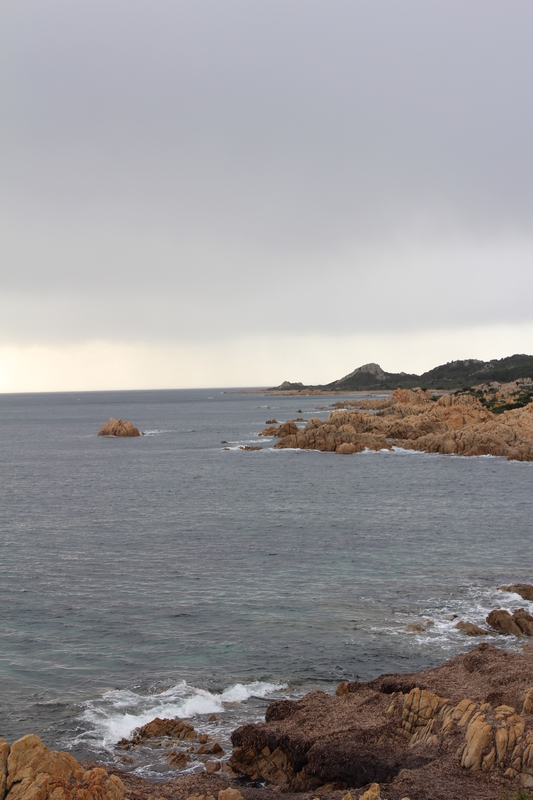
{"x": 168, "y": 575}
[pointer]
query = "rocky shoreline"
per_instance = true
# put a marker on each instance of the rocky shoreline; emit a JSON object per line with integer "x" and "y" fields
{"x": 462, "y": 729}
{"x": 413, "y": 419}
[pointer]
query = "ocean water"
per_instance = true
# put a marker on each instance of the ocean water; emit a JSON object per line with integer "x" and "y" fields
{"x": 169, "y": 576}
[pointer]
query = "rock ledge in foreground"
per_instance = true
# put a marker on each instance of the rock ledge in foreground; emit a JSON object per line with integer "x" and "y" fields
{"x": 30, "y": 771}
{"x": 464, "y": 729}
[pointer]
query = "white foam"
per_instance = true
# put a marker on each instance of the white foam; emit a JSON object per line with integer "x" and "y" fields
{"x": 116, "y": 714}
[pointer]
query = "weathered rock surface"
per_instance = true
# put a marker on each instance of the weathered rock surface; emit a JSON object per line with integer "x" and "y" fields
{"x": 452, "y": 732}
{"x": 470, "y": 629}
{"x": 159, "y": 728}
{"x": 525, "y": 590}
{"x": 519, "y": 624}
{"x": 30, "y": 771}
{"x": 118, "y": 427}
{"x": 412, "y": 419}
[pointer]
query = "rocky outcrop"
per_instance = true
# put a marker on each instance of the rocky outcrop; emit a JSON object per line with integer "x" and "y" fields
{"x": 118, "y": 427}
{"x": 414, "y": 420}
{"x": 520, "y": 623}
{"x": 470, "y": 629}
{"x": 159, "y": 728}
{"x": 30, "y": 771}
{"x": 525, "y": 590}
{"x": 467, "y": 725}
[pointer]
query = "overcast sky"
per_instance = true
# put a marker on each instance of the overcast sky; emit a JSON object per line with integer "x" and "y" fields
{"x": 238, "y": 192}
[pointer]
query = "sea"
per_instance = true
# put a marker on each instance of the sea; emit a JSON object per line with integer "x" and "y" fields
{"x": 178, "y": 575}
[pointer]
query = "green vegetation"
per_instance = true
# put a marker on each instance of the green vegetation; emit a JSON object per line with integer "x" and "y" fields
{"x": 521, "y": 794}
{"x": 449, "y": 376}
{"x": 494, "y": 404}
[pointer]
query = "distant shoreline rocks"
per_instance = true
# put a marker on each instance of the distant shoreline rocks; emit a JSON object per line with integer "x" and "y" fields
{"x": 414, "y": 419}
{"x": 118, "y": 427}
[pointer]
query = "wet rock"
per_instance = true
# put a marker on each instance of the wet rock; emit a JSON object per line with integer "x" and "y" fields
{"x": 420, "y": 627}
{"x": 118, "y": 427}
{"x": 158, "y": 728}
{"x": 502, "y": 621}
{"x": 250, "y": 447}
{"x": 524, "y": 621}
{"x": 212, "y": 766}
{"x": 347, "y": 448}
{"x": 177, "y": 759}
{"x": 525, "y": 590}
{"x": 470, "y": 629}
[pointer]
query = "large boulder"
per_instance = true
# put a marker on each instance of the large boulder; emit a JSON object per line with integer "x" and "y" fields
{"x": 502, "y": 621}
{"x": 525, "y": 590}
{"x": 33, "y": 772}
{"x": 118, "y": 427}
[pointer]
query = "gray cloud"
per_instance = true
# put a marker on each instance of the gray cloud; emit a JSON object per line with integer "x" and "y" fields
{"x": 210, "y": 169}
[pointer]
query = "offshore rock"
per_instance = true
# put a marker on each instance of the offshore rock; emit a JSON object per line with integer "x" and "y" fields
{"x": 454, "y": 728}
{"x": 117, "y": 427}
{"x": 412, "y": 419}
{"x": 33, "y": 772}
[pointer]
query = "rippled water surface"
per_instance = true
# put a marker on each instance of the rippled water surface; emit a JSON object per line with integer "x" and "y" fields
{"x": 166, "y": 575}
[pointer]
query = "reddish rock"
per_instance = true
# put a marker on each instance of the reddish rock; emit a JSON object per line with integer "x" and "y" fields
{"x": 470, "y": 629}
{"x": 411, "y": 419}
{"x": 158, "y": 728}
{"x": 454, "y": 728}
{"x": 118, "y": 427}
{"x": 525, "y": 590}
{"x": 524, "y": 621}
{"x": 502, "y": 621}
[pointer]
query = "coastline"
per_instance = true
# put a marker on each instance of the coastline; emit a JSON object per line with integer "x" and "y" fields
{"x": 464, "y": 728}
{"x": 462, "y": 424}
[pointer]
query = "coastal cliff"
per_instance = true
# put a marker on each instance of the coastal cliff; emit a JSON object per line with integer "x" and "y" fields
{"x": 414, "y": 420}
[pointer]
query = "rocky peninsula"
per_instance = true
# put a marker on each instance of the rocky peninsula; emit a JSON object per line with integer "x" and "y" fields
{"x": 414, "y": 419}
{"x": 463, "y": 729}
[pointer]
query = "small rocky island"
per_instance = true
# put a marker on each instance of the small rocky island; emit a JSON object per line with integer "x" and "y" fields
{"x": 118, "y": 427}
{"x": 464, "y": 424}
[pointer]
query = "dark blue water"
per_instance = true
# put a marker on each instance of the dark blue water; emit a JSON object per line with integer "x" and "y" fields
{"x": 152, "y": 574}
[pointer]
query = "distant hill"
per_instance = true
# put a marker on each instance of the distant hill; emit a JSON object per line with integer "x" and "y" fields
{"x": 453, "y": 375}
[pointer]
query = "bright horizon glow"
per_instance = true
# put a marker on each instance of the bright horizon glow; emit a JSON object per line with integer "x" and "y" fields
{"x": 254, "y": 362}
{"x": 206, "y": 194}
